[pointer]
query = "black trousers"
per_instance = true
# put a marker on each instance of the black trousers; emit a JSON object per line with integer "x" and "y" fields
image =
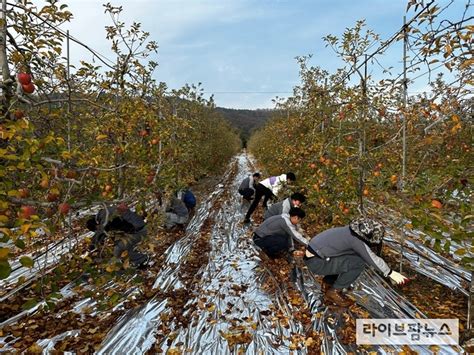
{"x": 247, "y": 193}
{"x": 273, "y": 245}
{"x": 260, "y": 191}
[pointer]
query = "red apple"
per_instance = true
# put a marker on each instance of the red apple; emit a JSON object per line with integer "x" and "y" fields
{"x": 436, "y": 204}
{"x": 27, "y": 211}
{"x": 19, "y": 114}
{"x": 44, "y": 183}
{"x": 52, "y": 197}
{"x": 28, "y": 88}
{"x": 24, "y": 78}
{"x": 150, "y": 178}
{"x": 143, "y": 133}
{"x": 64, "y": 208}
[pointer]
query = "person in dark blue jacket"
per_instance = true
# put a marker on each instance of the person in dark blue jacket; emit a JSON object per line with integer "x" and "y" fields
{"x": 189, "y": 200}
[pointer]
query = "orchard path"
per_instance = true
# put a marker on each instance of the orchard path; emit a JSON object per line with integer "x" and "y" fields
{"x": 238, "y": 303}
{"x": 214, "y": 293}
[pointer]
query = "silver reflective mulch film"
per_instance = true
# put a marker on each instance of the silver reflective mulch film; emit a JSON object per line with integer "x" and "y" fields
{"x": 231, "y": 298}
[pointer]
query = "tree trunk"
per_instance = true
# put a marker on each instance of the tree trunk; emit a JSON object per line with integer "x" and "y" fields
{"x": 6, "y": 85}
{"x": 470, "y": 306}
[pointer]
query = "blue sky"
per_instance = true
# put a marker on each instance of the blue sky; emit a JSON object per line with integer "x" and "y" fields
{"x": 243, "y": 51}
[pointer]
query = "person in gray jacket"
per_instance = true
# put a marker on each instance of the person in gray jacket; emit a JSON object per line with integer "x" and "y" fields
{"x": 342, "y": 253}
{"x": 276, "y": 234}
{"x": 247, "y": 187}
{"x": 295, "y": 200}
{"x": 177, "y": 213}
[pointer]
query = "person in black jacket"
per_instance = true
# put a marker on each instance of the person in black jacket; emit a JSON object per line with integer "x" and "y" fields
{"x": 121, "y": 219}
{"x": 342, "y": 253}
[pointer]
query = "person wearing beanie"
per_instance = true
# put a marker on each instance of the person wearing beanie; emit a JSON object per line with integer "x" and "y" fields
{"x": 295, "y": 200}
{"x": 268, "y": 189}
{"x": 341, "y": 254}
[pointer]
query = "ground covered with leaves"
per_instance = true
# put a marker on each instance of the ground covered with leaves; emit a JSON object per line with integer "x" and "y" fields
{"x": 113, "y": 290}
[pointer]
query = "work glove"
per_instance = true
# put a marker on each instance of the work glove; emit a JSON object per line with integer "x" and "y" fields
{"x": 397, "y": 277}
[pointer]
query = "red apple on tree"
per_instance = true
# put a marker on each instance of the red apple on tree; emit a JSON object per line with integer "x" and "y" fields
{"x": 44, "y": 183}
{"x": 27, "y": 211}
{"x": 24, "y": 78}
{"x": 64, "y": 208}
{"x": 436, "y": 204}
{"x": 150, "y": 178}
{"x": 28, "y": 88}
{"x": 19, "y": 114}
{"x": 52, "y": 197}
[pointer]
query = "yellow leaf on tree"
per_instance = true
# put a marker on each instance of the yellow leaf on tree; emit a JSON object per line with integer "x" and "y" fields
{"x": 5, "y": 231}
{"x": 456, "y": 128}
{"x": 101, "y": 137}
{"x": 25, "y": 227}
{"x": 4, "y": 253}
{"x": 448, "y": 50}
{"x": 13, "y": 193}
{"x": 467, "y": 63}
{"x": 66, "y": 155}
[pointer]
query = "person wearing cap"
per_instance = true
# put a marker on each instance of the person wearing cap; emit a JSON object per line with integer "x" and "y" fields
{"x": 295, "y": 200}
{"x": 268, "y": 189}
{"x": 248, "y": 185}
{"x": 342, "y": 253}
{"x": 276, "y": 234}
{"x": 119, "y": 219}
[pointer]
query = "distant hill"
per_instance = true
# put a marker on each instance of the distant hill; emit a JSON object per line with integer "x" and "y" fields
{"x": 246, "y": 120}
